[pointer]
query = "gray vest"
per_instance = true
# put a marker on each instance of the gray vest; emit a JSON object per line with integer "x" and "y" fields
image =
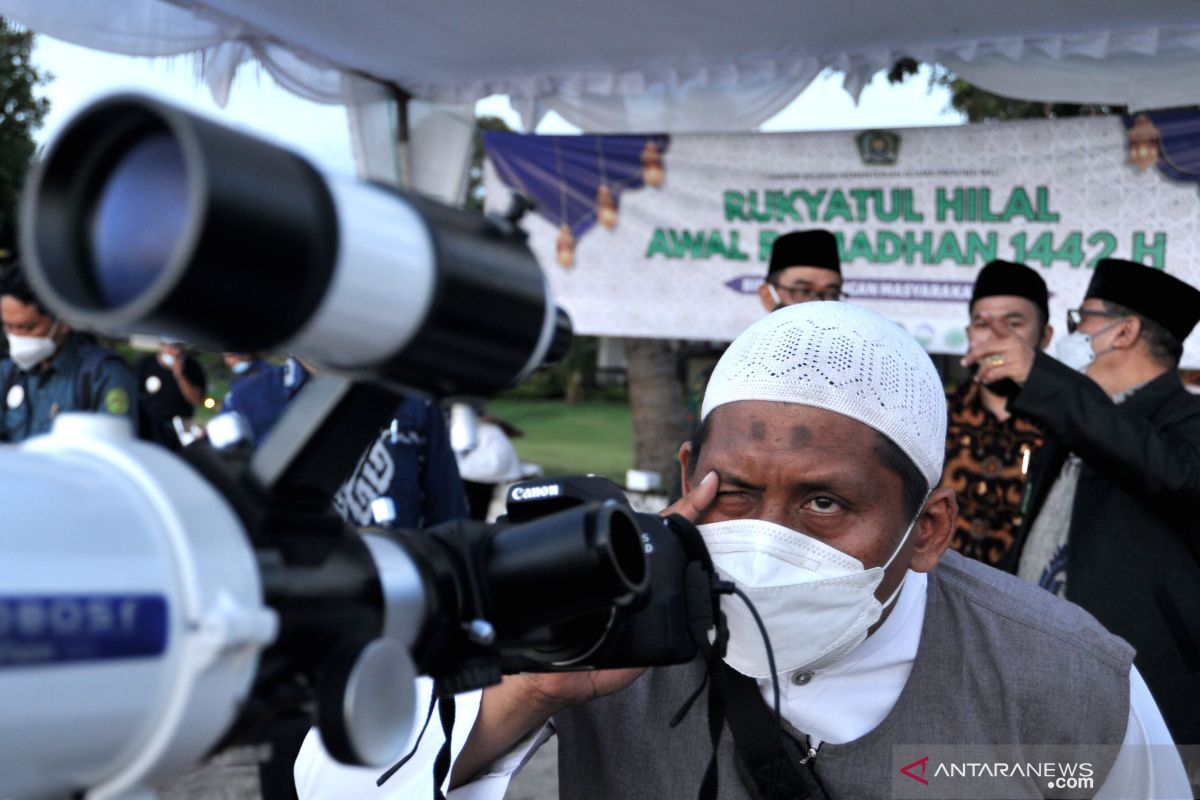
{"x": 999, "y": 662}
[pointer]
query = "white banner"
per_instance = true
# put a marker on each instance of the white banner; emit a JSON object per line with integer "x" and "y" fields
{"x": 917, "y": 216}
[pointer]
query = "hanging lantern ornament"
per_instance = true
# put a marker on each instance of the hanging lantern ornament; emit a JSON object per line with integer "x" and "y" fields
{"x": 652, "y": 166}
{"x": 566, "y": 239}
{"x": 566, "y": 246}
{"x": 606, "y": 207}
{"x": 1143, "y": 143}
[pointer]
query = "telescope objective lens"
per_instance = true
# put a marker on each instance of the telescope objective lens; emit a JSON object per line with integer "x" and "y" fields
{"x": 139, "y": 217}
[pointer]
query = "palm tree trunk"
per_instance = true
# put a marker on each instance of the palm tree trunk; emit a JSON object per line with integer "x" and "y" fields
{"x": 656, "y": 400}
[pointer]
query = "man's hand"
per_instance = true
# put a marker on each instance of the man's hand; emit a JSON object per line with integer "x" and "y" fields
{"x": 1005, "y": 355}
{"x": 192, "y": 393}
{"x": 695, "y": 503}
{"x": 522, "y": 704}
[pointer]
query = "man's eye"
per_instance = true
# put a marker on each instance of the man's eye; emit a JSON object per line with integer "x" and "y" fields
{"x": 823, "y": 505}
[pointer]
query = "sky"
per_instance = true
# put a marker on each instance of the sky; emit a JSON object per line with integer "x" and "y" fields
{"x": 320, "y": 131}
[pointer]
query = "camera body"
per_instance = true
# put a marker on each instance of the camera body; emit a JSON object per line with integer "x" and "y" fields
{"x": 571, "y": 578}
{"x": 674, "y": 619}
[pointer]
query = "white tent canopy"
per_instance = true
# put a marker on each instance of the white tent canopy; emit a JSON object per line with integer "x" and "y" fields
{"x": 615, "y": 64}
{"x": 633, "y": 65}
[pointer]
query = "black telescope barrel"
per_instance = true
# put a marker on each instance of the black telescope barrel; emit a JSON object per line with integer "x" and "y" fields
{"x": 483, "y": 324}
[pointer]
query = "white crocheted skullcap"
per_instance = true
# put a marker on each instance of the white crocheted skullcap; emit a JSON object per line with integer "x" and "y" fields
{"x": 841, "y": 358}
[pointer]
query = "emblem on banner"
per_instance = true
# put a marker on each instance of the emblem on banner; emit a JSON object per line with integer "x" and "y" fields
{"x": 878, "y": 148}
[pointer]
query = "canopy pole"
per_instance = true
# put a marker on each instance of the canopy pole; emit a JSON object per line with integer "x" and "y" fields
{"x": 404, "y": 165}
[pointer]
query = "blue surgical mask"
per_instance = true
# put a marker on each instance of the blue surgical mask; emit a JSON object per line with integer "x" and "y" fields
{"x": 241, "y": 367}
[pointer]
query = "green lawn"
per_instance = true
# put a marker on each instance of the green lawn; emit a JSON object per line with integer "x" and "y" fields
{"x": 595, "y": 436}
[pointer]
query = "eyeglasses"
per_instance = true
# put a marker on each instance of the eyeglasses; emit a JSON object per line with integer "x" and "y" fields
{"x": 802, "y": 293}
{"x": 1076, "y": 315}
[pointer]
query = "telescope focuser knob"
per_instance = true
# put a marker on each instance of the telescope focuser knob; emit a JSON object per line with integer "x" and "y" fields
{"x": 481, "y": 632}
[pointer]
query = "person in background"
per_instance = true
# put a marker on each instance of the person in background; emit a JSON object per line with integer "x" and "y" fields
{"x": 1110, "y": 512}
{"x": 804, "y": 266}
{"x": 243, "y": 366}
{"x": 410, "y": 463}
{"x": 51, "y": 368}
{"x": 988, "y": 449}
{"x": 489, "y": 461}
{"x": 261, "y": 399}
{"x": 171, "y": 385}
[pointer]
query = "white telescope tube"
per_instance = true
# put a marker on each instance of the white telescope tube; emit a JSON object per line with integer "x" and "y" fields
{"x": 131, "y": 613}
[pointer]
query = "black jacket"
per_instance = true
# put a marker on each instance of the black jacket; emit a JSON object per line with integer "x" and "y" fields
{"x": 1134, "y": 558}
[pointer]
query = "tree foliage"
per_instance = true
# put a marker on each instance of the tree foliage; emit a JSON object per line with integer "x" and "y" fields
{"x": 980, "y": 105}
{"x": 475, "y": 188}
{"x": 21, "y": 113}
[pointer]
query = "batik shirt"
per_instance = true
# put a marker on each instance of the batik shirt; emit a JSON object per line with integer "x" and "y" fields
{"x": 986, "y": 465}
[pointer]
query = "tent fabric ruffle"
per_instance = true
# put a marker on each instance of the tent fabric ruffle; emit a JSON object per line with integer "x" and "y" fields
{"x": 605, "y": 85}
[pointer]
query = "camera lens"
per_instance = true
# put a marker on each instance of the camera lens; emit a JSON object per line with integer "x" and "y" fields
{"x": 625, "y": 542}
{"x": 138, "y": 220}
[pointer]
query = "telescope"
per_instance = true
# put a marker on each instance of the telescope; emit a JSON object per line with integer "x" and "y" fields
{"x": 144, "y": 218}
{"x": 155, "y": 608}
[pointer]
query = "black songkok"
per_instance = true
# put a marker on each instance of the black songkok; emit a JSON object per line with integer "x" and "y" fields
{"x": 1009, "y": 278}
{"x": 1150, "y": 292}
{"x": 815, "y": 248}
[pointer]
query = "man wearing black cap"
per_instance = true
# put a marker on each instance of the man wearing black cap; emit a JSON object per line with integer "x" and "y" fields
{"x": 988, "y": 449}
{"x": 1110, "y": 510}
{"x": 805, "y": 265}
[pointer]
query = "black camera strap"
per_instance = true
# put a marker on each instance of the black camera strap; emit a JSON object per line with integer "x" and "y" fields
{"x": 441, "y": 766}
{"x": 393, "y": 769}
{"x": 779, "y": 767}
{"x": 717, "y": 701}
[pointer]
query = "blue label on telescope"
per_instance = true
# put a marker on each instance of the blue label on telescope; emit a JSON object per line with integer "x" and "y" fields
{"x": 51, "y": 629}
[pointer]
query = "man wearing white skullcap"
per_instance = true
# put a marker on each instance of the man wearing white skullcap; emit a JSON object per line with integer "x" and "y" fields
{"x": 818, "y": 462}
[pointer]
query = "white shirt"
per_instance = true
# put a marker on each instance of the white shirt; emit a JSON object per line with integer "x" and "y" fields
{"x": 492, "y": 460}
{"x": 837, "y": 704}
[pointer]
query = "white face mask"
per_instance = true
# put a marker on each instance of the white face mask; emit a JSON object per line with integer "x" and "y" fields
{"x": 29, "y": 351}
{"x": 816, "y": 602}
{"x": 1076, "y": 351}
{"x": 168, "y": 360}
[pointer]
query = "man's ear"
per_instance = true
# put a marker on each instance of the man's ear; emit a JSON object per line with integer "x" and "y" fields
{"x": 685, "y": 458}
{"x": 62, "y": 332}
{"x": 1128, "y": 333}
{"x": 1047, "y": 335}
{"x": 935, "y": 529}
{"x": 768, "y": 296}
